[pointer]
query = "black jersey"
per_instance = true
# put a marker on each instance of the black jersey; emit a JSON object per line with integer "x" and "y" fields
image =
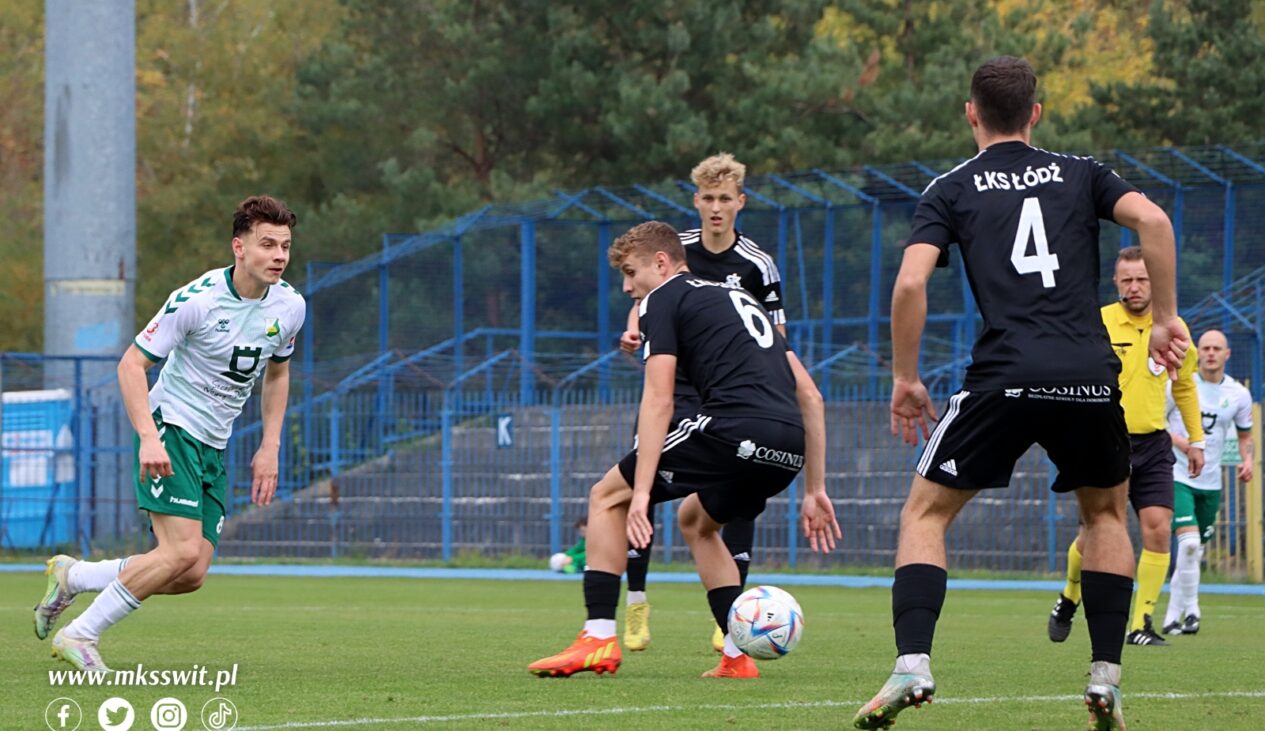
{"x": 742, "y": 265}
{"x": 1026, "y": 221}
{"x": 726, "y": 346}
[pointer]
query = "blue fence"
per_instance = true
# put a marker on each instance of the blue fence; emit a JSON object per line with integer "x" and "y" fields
{"x": 457, "y": 392}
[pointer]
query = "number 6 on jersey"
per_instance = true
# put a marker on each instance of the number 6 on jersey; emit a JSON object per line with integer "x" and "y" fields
{"x": 1032, "y": 226}
{"x": 750, "y": 312}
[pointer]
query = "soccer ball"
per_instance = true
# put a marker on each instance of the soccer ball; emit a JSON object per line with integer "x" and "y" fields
{"x": 766, "y": 622}
{"x": 559, "y": 561}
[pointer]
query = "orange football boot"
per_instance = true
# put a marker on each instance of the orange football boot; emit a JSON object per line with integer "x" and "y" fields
{"x": 586, "y": 653}
{"x": 734, "y": 667}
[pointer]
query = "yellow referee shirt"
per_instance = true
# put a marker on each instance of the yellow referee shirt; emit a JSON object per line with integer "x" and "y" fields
{"x": 1143, "y": 381}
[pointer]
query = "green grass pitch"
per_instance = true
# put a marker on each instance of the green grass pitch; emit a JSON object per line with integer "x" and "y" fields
{"x": 351, "y": 653}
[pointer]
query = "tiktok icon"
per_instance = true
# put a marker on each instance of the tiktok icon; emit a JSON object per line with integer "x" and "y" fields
{"x": 219, "y": 714}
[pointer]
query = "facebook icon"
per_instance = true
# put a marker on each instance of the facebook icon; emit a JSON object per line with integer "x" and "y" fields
{"x": 63, "y": 714}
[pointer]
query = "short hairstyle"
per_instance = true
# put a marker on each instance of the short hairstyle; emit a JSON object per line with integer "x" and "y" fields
{"x": 717, "y": 169}
{"x": 1004, "y": 89}
{"x": 645, "y": 239}
{"x": 581, "y": 522}
{"x": 261, "y": 209}
{"x": 1129, "y": 253}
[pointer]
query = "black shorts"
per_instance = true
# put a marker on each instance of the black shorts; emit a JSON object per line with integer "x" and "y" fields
{"x": 982, "y": 434}
{"x": 735, "y": 465}
{"x": 1151, "y": 484}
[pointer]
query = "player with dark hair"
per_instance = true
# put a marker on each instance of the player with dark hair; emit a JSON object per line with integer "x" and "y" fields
{"x": 1042, "y": 371}
{"x": 219, "y": 334}
{"x": 719, "y": 252}
{"x": 758, "y": 426}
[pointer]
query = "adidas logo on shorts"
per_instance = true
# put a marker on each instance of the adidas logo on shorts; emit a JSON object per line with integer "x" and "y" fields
{"x": 950, "y": 467}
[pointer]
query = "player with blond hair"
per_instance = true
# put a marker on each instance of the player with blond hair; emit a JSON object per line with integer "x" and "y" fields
{"x": 760, "y": 421}
{"x": 719, "y": 252}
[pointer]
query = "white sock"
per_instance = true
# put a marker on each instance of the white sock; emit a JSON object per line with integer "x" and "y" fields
{"x": 731, "y": 650}
{"x": 113, "y": 604}
{"x": 1186, "y": 573}
{"x": 600, "y": 629}
{"x": 1192, "y": 591}
{"x": 915, "y": 663}
{"x": 636, "y": 597}
{"x": 93, "y": 575}
{"x": 1176, "y": 600}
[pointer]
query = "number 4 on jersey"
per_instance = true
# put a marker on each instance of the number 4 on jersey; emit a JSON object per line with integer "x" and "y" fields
{"x": 1032, "y": 227}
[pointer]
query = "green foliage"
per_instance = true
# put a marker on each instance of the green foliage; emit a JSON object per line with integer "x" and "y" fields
{"x": 21, "y": 175}
{"x": 1206, "y": 82}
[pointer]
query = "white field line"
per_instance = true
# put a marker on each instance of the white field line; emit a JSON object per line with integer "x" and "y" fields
{"x": 569, "y": 713}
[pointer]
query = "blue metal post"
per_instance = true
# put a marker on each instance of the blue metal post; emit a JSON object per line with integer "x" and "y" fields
{"x": 83, "y": 461}
{"x": 603, "y": 304}
{"x": 527, "y": 323}
{"x": 782, "y": 254}
{"x": 445, "y": 465}
{"x": 1051, "y": 524}
{"x": 555, "y": 478}
{"x": 384, "y": 343}
{"x": 309, "y": 325}
{"x": 458, "y": 307}
{"x": 1227, "y": 248}
{"x": 876, "y": 281}
{"x": 792, "y": 538}
{"x": 335, "y": 441}
{"x": 828, "y": 280}
{"x": 669, "y": 522}
{"x": 603, "y": 288}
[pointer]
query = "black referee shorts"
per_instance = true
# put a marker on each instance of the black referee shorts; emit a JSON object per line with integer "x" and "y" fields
{"x": 982, "y": 434}
{"x": 735, "y": 465}
{"x": 1151, "y": 484}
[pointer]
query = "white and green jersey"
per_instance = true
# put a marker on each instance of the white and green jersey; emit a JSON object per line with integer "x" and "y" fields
{"x": 216, "y": 344}
{"x": 1225, "y": 407}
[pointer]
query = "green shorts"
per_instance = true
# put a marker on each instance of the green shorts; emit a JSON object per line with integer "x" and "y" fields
{"x": 198, "y": 488}
{"x": 1193, "y": 507}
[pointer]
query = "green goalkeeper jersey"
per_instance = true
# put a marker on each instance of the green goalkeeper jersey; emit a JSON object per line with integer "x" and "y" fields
{"x": 216, "y": 344}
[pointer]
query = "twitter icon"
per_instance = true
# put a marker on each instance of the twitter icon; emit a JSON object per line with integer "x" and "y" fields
{"x": 116, "y": 714}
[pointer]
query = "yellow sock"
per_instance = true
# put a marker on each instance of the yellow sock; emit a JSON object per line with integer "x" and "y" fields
{"x": 1072, "y": 590}
{"x": 1152, "y": 568}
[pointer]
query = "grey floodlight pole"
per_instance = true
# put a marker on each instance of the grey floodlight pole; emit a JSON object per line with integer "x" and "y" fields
{"x": 90, "y": 237}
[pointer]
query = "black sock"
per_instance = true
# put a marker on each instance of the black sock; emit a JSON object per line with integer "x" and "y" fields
{"x": 1106, "y": 600}
{"x": 721, "y": 599}
{"x": 917, "y": 597}
{"x": 601, "y": 594}
{"x": 739, "y": 538}
{"x": 638, "y": 566}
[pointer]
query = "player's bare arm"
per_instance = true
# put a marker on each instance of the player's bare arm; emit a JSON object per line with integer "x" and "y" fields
{"x": 134, "y": 387}
{"x": 265, "y": 464}
{"x": 817, "y": 513}
{"x": 652, "y": 429}
{"x": 1169, "y": 340}
{"x": 631, "y": 339}
{"x": 911, "y": 404}
{"x": 1247, "y": 455}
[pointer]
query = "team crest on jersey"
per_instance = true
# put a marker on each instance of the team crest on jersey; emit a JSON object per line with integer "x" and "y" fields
{"x": 274, "y": 328}
{"x": 733, "y": 281}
